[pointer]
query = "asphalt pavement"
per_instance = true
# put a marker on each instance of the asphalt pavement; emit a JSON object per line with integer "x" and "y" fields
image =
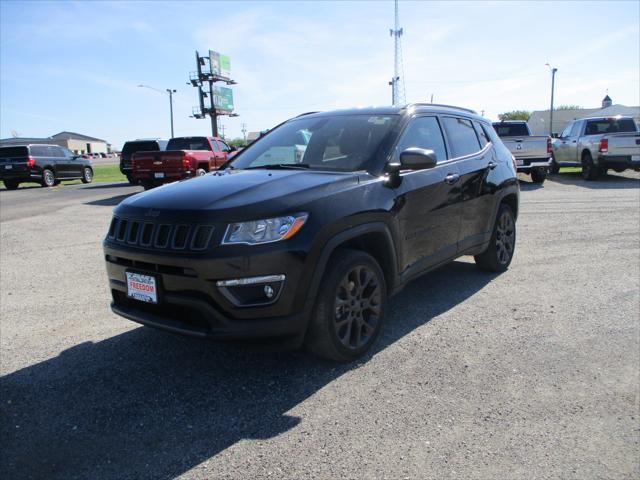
{"x": 534, "y": 373}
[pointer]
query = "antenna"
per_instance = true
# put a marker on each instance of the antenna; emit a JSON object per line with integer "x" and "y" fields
{"x": 398, "y": 96}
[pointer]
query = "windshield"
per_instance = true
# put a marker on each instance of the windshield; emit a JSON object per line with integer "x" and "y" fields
{"x": 511, "y": 129}
{"x": 339, "y": 143}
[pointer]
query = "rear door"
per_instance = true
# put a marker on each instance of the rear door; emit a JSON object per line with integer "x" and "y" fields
{"x": 429, "y": 200}
{"x": 471, "y": 144}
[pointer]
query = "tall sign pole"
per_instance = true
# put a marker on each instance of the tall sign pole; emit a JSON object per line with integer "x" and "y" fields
{"x": 397, "y": 82}
{"x": 220, "y": 98}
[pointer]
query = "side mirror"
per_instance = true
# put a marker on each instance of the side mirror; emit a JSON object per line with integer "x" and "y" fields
{"x": 555, "y": 135}
{"x": 418, "y": 159}
{"x": 232, "y": 149}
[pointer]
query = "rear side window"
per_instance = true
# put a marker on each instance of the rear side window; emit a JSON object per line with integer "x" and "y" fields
{"x": 38, "y": 151}
{"x": 610, "y": 125}
{"x": 483, "y": 136}
{"x": 14, "y": 152}
{"x": 423, "y": 132}
{"x": 461, "y": 135}
{"x": 189, "y": 143}
{"x": 511, "y": 129}
{"x": 55, "y": 152}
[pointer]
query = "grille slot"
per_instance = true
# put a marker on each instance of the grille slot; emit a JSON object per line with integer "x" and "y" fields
{"x": 162, "y": 236}
{"x": 147, "y": 234}
{"x": 133, "y": 233}
{"x": 180, "y": 237}
{"x": 122, "y": 230}
{"x": 201, "y": 237}
{"x": 113, "y": 226}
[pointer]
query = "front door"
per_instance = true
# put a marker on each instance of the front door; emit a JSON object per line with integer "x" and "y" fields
{"x": 428, "y": 201}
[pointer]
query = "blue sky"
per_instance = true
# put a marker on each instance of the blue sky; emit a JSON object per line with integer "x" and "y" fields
{"x": 76, "y": 65}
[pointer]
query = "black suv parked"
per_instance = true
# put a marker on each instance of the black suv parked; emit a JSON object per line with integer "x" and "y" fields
{"x": 133, "y": 146}
{"x": 47, "y": 165}
{"x": 307, "y": 232}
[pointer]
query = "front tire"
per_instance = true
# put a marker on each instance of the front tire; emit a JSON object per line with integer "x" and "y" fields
{"x": 11, "y": 184}
{"x": 589, "y": 170}
{"x": 538, "y": 176}
{"x": 87, "y": 175}
{"x": 554, "y": 167}
{"x": 349, "y": 308}
{"x": 48, "y": 178}
{"x": 497, "y": 257}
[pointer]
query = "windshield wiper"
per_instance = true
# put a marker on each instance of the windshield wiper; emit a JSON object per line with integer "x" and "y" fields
{"x": 282, "y": 166}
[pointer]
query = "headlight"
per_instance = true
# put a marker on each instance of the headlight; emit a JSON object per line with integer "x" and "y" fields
{"x": 265, "y": 231}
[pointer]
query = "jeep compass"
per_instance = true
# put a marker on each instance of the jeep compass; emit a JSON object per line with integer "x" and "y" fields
{"x": 305, "y": 234}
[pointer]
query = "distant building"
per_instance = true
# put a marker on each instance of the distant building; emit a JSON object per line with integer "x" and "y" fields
{"x": 539, "y": 120}
{"x": 76, "y": 142}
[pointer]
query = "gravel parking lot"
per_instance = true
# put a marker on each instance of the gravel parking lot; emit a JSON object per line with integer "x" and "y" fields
{"x": 534, "y": 373}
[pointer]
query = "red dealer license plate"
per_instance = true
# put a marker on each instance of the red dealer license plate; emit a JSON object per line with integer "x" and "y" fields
{"x": 142, "y": 287}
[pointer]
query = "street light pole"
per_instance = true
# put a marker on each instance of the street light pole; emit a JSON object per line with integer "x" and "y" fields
{"x": 170, "y": 92}
{"x": 553, "y": 81}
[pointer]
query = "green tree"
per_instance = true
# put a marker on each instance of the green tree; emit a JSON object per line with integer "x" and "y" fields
{"x": 569, "y": 107}
{"x": 515, "y": 115}
{"x": 237, "y": 142}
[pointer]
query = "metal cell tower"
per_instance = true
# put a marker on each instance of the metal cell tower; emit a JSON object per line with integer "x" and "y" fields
{"x": 398, "y": 96}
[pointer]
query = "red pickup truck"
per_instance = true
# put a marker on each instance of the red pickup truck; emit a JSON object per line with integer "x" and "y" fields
{"x": 184, "y": 157}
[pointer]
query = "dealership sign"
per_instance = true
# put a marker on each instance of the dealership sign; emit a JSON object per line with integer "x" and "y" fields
{"x": 223, "y": 99}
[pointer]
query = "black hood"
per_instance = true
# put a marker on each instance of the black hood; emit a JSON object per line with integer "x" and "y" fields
{"x": 241, "y": 194}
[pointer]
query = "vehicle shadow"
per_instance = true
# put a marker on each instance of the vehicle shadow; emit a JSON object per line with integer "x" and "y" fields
{"x": 605, "y": 182}
{"x": 529, "y": 186}
{"x": 111, "y": 201}
{"x": 147, "y": 404}
{"x": 21, "y": 187}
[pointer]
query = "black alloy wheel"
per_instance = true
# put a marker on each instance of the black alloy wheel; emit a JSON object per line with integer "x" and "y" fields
{"x": 589, "y": 170}
{"x": 350, "y": 307}
{"x": 498, "y": 255}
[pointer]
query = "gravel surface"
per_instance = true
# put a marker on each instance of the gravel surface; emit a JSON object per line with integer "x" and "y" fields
{"x": 534, "y": 373}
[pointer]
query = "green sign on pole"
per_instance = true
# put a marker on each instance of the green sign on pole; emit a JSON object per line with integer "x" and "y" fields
{"x": 220, "y": 64}
{"x": 223, "y": 99}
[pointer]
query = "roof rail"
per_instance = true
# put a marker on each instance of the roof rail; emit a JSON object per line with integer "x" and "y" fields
{"x": 421, "y": 104}
{"x": 306, "y": 113}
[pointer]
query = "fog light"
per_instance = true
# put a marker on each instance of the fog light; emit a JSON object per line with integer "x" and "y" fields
{"x": 252, "y": 291}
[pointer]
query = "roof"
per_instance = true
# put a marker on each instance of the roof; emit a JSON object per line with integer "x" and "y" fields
{"x": 606, "y": 99}
{"x": 395, "y": 110}
{"x": 75, "y": 136}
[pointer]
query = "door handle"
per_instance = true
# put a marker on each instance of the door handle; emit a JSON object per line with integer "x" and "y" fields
{"x": 492, "y": 165}
{"x": 574, "y": 141}
{"x": 452, "y": 178}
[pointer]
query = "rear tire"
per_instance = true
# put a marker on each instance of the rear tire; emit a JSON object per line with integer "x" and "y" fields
{"x": 48, "y": 178}
{"x": 538, "y": 176}
{"x": 200, "y": 172}
{"x": 148, "y": 185}
{"x": 589, "y": 170}
{"x": 349, "y": 308}
{"x": 11, "y": 184}
{"x": 497, "y": 257}
{"x": 87, "y": 175}
{"x": 131, "y": 180}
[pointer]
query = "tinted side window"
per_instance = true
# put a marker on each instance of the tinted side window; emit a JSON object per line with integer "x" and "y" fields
{"x": 38, "y": 151}
{"x": 461, "y": 135}
{"x": 483, "y": 136}
{"x": 216, "y": 146}
{"x": 56, "y": 152}
{"x": 423, "y": 132}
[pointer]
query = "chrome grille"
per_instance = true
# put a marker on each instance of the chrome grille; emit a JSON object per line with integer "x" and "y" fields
{"x": 147, "y": 234}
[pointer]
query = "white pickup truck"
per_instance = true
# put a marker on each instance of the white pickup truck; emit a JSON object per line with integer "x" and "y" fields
{"x": 532, "y": 153}
{"x": 597, "y": 144}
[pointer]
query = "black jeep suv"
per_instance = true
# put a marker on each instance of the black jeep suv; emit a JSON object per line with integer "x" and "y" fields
{"x": 306, "y": 233}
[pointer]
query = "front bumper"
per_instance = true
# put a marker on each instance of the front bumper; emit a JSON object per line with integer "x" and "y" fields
{"x": 191, "y": 303}
{"x": 528, "y": 164}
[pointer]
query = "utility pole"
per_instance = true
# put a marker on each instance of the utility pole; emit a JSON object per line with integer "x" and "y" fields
{"x": 553, "y": 81}
{"x": 397, "y": 82}
{"x": 244, "y": 132}
{"x": 170, "y": 92}
{"x": 221, "y": 127}
{"x": 211, "y": 76}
